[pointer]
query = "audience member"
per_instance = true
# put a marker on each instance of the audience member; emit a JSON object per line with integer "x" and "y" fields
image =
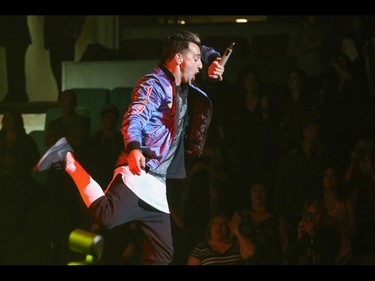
{"x": 311, "y": 43}
{"x": 60, "y": 35}
{"x": 75, "y": 127}
{"x": 15, "y": 37}
{"x": 358, "y": 45}
{"x": 294, "y": 109}
{"x": 316, "y": 243}
{"x": 340, "y": 211}
{"x": 266, "y": 229}
{"x": 359, "y": 183}
{"x": 102, "y": 149}
{"x": 299, "y": 174}
{"x": 219, "y": 247}
{"x": 251, "y": 143}
{"x": 337, "y": 99}
{"x": 18, "y": 154}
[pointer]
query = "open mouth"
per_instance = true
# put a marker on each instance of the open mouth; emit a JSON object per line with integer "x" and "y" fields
{"x": 195, "y": 76}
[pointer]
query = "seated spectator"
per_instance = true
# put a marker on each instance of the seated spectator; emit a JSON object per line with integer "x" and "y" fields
{"x": 340, "y": 211}
{"x": 219, "y": 247}
{"x": 295, "y": 108}
{"x": 102, "y": 149}
{"x": 75, "y": 127}
{"x": 18, "y": 155}
{"x": 266, "y": 229}
{"x": 359, "y": 183}
{"x": 316, "y": 243}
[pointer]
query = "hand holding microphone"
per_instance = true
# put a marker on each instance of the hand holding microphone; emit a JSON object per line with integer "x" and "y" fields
{"x": 216, "y": 69}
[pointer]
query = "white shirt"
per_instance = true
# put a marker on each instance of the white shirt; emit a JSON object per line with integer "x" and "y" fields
{"x": 146, "y": 187}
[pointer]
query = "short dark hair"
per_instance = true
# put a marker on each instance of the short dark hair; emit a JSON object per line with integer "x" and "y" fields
{"x": 177, "y": 42}
{"x": 17, "y": 119}
{"x": 211, "y": 221}
{"x": 68, "y": 92}
{"x": 110, "y": 108}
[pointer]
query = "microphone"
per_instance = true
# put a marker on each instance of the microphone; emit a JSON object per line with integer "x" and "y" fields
{"x": 227, "y": 54}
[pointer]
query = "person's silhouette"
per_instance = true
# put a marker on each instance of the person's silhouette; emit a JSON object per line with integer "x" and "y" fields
{"x": 15, "y": 37}
{"x": 60, "y": 36}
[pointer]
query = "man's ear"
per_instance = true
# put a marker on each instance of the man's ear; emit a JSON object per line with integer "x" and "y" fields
{"x": 179, "y": 58}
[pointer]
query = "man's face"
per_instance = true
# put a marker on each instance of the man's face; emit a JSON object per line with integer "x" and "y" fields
{"x": 191, "y": 64}
{"x": 68, "y": 102}
{"x": 313, "y": 215}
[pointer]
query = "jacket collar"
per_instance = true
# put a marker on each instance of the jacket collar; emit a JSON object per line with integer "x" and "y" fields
{"x": 167, "y": 72}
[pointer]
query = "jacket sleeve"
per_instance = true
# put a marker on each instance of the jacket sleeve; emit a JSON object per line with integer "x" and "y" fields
{"x": 146, "y": 99}
{"x": 208, "y": 54}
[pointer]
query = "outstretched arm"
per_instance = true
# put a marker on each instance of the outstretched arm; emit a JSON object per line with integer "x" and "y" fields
{"x": 211, "y": 57}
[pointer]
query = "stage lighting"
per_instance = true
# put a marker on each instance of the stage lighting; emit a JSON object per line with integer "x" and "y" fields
{"x": 86, "y": 243}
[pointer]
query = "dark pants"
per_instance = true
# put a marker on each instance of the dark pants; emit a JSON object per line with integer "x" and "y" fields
{"x": 57, "y": 55}
{"x": 121, "y": 205}
{"x": 15, "y": 57}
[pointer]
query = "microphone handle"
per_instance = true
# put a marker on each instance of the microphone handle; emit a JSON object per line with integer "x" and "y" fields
{"x": 227, "y": 54}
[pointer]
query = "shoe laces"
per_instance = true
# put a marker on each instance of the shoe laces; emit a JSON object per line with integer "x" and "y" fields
{"x": 60, "y": 165}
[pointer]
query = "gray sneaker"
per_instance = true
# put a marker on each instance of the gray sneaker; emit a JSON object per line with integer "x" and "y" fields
{"x": 54, "y": 155}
